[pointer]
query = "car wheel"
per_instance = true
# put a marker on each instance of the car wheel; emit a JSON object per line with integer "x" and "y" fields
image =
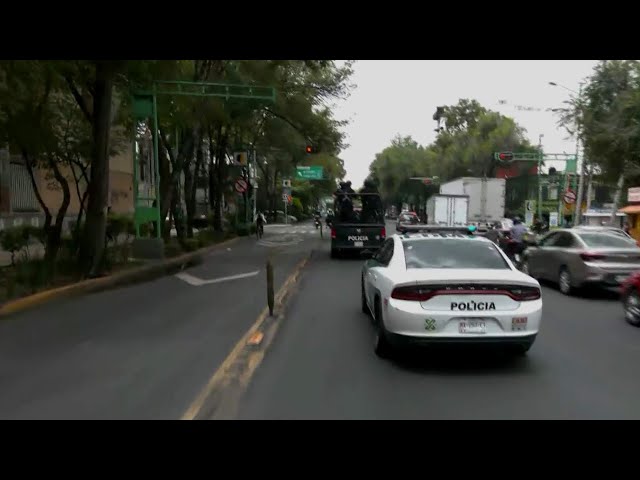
{"x": 632, "y": 309}
{"x": 564, "y": 281}
{"x": 334, "y": 253}
{"x": 365, "y": 307}
{"x": 381, "y": 345}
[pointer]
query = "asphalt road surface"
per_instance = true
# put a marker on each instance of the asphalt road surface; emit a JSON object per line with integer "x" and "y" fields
{"x": 584, "y": 364}
{"x": 145, "y": 351}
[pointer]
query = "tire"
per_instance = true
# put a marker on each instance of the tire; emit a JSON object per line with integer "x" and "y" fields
{"x": 632, "y": 301}
{"x": 381, "y": 345}
{"x": 363, "y": 299}
{"x": 564, "y": 281}
{"x": 335, "y": 253}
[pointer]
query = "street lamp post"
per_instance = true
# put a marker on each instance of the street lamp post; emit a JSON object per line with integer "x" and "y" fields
{"x": 540, "y": 177}
{"x": 577, "y": 217}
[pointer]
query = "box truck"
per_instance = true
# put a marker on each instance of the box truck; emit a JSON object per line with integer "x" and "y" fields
{"x": 486, "y": 197}
{"x": 448, "y": 210}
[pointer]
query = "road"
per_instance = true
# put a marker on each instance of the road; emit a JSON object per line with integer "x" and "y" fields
{"x": 145, "y": 351}
{"x": 584, "y": 364}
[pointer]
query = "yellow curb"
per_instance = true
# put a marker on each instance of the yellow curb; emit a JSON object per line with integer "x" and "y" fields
{"x": 92, "y": 285}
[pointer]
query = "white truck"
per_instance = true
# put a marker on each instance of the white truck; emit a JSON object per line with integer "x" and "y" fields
{"x": 486, "y": 197}
{"x": 448, "y": 210}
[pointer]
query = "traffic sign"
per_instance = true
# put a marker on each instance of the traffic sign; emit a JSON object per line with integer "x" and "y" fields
{"x": 286, "y": 183}
{"x": 286, "y": 198}
{"x": 309, "y": 173}
{"x": 241, "y": 185}
{"x": 240, "y": 158}
{"x": 569, "y": 197}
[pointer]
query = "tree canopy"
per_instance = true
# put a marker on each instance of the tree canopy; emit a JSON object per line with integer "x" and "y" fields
{"x": 465, "y": 147}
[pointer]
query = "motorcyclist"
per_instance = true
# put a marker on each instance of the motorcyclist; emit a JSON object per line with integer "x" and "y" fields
{"x": 518, "y": 232}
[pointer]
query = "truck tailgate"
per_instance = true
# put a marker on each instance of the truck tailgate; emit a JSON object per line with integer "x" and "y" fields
{"x": 358, "y": 236}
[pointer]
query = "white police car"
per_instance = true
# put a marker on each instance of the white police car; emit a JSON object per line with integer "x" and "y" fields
{"x": 442, "y": 287}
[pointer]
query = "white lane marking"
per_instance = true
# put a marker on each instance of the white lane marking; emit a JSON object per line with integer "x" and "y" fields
{"x": 197, "y": 282}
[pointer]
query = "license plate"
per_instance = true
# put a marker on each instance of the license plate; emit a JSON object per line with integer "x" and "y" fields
{"x": 472, "y": 326}
{"x": 621, "y": 278}
{"x": 358, "y": 244}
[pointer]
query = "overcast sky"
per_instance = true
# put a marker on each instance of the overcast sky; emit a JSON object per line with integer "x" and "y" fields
{"x": 400, "y": 97}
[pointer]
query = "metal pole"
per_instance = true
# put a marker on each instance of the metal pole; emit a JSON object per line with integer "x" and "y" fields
{"x": 286, "y": 217}
{"x": 136, "y": 173}
{"x": 156, "y": 159}
{"x": 254, "y": 190}
{"x": 539, "y": 178}
{"x": 577, "y": 217}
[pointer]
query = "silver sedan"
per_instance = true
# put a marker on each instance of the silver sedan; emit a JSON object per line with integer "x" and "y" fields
{"x": 576, "y": 258}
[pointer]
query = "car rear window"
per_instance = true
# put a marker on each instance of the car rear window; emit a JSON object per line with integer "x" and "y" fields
{"x": 606, "y": 240}
{"x": 452, "y": 253}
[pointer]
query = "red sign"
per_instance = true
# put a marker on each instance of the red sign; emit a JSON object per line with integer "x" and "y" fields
{"x": 241, "y": 185}
{"x": 633, "y": 195}
{"x": 569, "y": 197}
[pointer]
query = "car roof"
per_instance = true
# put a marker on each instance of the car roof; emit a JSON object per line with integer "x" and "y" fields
{"x": 596, "y": 228}
{"x": 408, "y": 237}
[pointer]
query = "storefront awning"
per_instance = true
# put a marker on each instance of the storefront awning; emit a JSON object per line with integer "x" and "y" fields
{"x": 632, "y": 209}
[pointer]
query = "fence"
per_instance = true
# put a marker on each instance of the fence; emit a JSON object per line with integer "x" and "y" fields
{"x": 23, "y": 197}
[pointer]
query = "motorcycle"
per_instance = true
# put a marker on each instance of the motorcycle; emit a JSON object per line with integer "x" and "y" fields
{"x": 317, "y": 222}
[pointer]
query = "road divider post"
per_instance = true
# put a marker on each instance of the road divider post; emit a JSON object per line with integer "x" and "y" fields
{"x": 270, "y": 294}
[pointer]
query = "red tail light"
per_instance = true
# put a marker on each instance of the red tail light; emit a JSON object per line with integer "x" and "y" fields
{"x": 417, "y": 293}
{"x": 333, "y": 233}
{"x": 412, "y": 293}
{"x": 524, "y": 294}
{"x": 383, "y": 234}
{"x": 590, "y": 257}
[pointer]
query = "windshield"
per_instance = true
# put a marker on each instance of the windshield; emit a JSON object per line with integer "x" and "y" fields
{"x": 452, "y": 253}
{"x": 606, "y": 240}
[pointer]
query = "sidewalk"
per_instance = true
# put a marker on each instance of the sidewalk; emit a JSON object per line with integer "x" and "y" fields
{"x": 140, "y": 352}
{"x": 36, "y": 250}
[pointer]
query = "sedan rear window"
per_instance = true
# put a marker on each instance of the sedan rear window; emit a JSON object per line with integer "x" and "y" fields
{"x": 453, "y": 253}
{"x": 606, "y": 240}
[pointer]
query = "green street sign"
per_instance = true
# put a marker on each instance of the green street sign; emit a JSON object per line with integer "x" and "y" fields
{"x": 309, "y": 173}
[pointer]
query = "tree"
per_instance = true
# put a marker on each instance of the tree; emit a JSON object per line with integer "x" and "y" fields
{"x": 464, "y": 148}
{"x": 606, "y": 118}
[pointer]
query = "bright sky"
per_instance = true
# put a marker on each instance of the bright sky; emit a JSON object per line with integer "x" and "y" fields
{"x": 400, "y": 97}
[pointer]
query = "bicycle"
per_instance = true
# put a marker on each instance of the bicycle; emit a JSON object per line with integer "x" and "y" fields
{"x": 259, "y": 231}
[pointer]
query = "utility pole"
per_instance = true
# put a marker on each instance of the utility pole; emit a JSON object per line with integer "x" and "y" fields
{"x": 540, "y": 176}
{"x": 577, "y": 214}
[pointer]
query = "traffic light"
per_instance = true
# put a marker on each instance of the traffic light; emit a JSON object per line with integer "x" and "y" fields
{"x": 309, "y": 149}
{"x": 505, "y": 156}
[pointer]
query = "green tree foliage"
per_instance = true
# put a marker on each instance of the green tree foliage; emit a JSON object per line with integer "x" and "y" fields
{"x": 68, "y": 117}
{"x": 606, "y": 119}
{"x": 464, "y": 148}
